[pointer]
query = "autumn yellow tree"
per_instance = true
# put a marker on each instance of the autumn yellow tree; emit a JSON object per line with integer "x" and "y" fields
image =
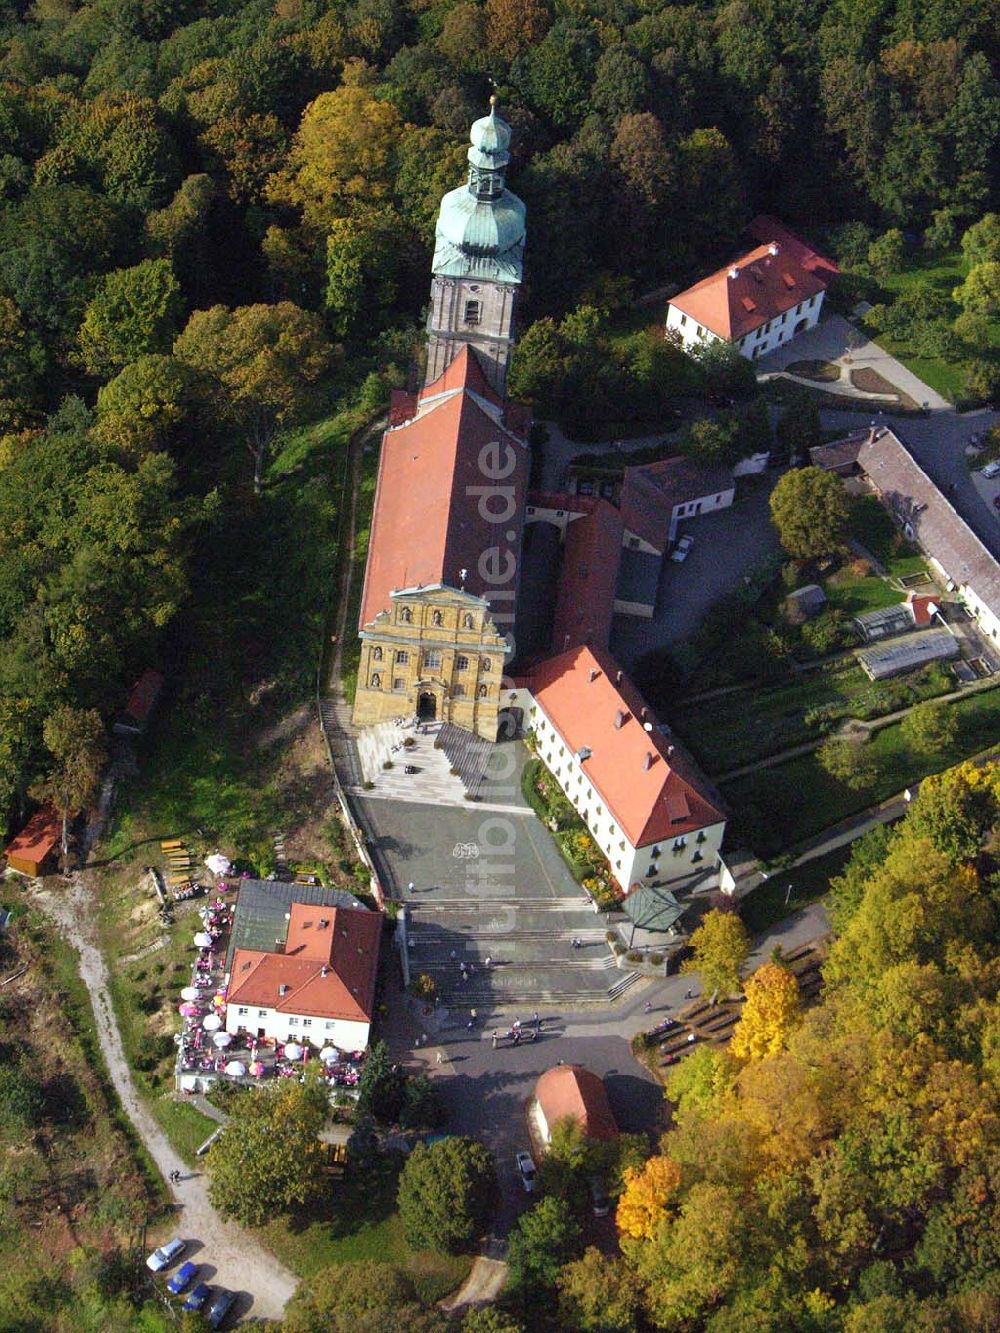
{"x": 720, "y": 947}
{"x": 770, "y": 1013}
{"x": 644, "y": 1199}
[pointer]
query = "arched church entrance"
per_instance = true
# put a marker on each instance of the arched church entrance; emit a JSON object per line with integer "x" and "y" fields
{"x": 426, "y": 706}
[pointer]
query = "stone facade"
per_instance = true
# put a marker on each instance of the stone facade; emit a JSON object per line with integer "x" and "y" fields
{"x": 436, "y": 653}
{"x": 473, "y": 311}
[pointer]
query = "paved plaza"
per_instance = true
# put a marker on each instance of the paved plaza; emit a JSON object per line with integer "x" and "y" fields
{"x": 491, "y": 891}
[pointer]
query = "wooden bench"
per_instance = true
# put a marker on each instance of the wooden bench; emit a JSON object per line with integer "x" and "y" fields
{"x": 171, "y": 844}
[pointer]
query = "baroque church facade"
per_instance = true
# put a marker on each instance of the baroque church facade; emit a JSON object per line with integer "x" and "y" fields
{"x": 444, "y": 552}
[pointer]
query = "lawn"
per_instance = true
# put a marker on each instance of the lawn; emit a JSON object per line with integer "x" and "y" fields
{"x": 358, "y": 1220}
{"x": 771, "y": 902}
{"x": 776, "y": 808}
{"x": 943, "y": 271}
{"x": 855, "y": 594}
{"x": 736, "y": 729}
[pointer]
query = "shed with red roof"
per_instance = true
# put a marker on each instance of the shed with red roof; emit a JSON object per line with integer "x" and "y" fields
{"x": 33, "y": 850}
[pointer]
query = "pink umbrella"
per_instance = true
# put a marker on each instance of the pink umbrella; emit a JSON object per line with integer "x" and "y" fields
{"x": 257, "y": 1068}
{"x": 189, "y": 1010}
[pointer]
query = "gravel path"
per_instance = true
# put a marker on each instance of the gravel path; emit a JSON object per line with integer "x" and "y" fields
{"x": 237, "y": 1260}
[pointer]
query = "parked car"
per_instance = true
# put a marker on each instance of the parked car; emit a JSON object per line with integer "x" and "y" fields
{"x": 197, "y": 1297}
{"x": 991, "y": 469}
{"x": 166, "y": 1254}
{"x": 220, "y": 1307}
{"x": 600, "y": 1204}
{"x": 680, "y": 551}
{"x": 182, "y": 1277}
{"x": 526, "y": 1170}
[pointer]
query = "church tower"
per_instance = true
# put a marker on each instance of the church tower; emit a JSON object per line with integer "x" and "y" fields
{"x": 478, "y": 261}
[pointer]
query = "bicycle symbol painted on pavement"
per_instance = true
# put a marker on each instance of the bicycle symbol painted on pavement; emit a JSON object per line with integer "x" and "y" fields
{"x": 463, "y": 851}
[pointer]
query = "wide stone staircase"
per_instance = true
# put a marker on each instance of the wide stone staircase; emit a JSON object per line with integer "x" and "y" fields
{"x": 467, "y": 753}
{"x": 335, "y": 716}
{"x": 532, "y": 958}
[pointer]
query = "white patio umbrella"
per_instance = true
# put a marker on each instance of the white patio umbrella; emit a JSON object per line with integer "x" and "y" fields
{"x": 236, "y": 1069}
{"x": 218, "y": 864}
{"x": 292, "y": 1050}
{"x": 329, "y": 1055}
{"x": 189, "y": 993}
{"x": 203, "y": 939}
{"x": 222, "y": 1040}
{"x": 211, "y": 1022}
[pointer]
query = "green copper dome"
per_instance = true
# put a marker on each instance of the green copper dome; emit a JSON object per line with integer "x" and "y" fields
{"x": 480, "y": 228}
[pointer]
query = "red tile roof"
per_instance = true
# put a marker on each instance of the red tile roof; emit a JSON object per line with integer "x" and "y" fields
{"x": 328, "y": 968}
{"x": 429, "y": 519}
{"x": 572, "y": 1090}
{"x": 648, "y": 782}
{"x": 922, "y": 608}
{"x": 770, "y": 279}
{"x": 586, "y": 600}
{"x": 145, "y": 693}
{"x": 31, "y": 848}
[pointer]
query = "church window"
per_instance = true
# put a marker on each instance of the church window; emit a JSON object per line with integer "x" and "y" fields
{"x": 461, "y": 663}
{"x": 472, "y": 309}
{"x": 376, "y": 681}
{"x": 467, "y": 622}
{"x": 402, "y": 657}
{"x": 482, "y": 692}
{"x": 432, "y": 659}
{"x": 436, "y": 618}
{"x": 376, "y": 654}
{"x": 406, "y": 615}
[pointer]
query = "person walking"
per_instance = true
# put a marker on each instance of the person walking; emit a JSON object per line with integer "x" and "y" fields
{"x": 410, "y": 887}
{"x": 488, "y": 962}
{"x": 648, "y": 1007}
{"x": 536, "y": 1020}
{"x": 493, "y": 1040}
{"x": 440, "y": 1057}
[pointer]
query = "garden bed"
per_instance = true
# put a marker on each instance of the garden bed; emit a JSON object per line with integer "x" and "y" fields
{"x": 815, "y": 370}
{"x": 777, "y": 808}
{"x": 589, "y": 865}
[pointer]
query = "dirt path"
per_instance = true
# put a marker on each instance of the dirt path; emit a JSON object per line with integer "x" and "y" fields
{"x": 232, "y": 1257}
{"x": 483, "y": 1285}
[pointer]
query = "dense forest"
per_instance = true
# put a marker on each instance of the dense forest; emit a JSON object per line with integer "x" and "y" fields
{"x": 215, "y": 219}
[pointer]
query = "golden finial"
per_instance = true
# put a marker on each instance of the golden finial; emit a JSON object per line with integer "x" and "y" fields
{"x": 493, "y": 99}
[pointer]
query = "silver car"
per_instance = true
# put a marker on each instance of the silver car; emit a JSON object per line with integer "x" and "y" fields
{"x": 166, "y": 1254}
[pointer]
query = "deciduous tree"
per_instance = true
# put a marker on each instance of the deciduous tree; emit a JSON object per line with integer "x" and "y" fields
{"x": 133, "y": 312}
{"x": 541, "y": 1241}
{"x": 646, "y": 1194}
{"x": 809, "y": 510}
{"x": 720, "y": 947}
{"x": 848, "y": 761}
{"x": 446, "y": 1193}
{"x": 264, "y": 362}
{"x": 269, "y": 1156}
{"x": 770, "y": 1013}
{"x": 930, "y": 727}
{"x": 597, "y": 1294}
{"x": 76, "y": 741}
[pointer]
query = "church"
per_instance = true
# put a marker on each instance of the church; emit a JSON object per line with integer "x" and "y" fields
{"x": 440, "y": 619}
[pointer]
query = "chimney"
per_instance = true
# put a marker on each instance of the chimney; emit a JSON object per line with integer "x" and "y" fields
{"x": 324, "y": 971}
{"x": 734, "y": 272}
{"x": 647, "y": 763}
{"x": 618, "y": 677}
{"x": 642, "y": 713}
{"x": 594, "y": 673}
{"x": 282, "y": 989}
{"x": 670, "y": 750}
{"x": 323, "y": 923}
{"x": 773, "y": 248}
{"x": 619, "y": 720}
